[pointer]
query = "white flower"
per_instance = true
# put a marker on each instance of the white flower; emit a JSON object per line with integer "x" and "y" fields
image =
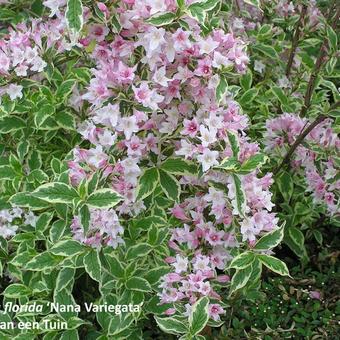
{"x": 107, "y": 138}
{"x": 54, "y": 5}
{"x": 156, "y": 6}
{"x": 97, "y": 157}
{"x": 220, "y": 60}
{"x": 207, "y": 136}
{"x": 214, "y": 195}
{"x": 30, "y": 219}
{"x": 21, "y": 70}
{"x": 14, "y": 91}
{"x": 248, "y": 230}
{"x": 181, "y": 264}
{"x": 208, "y": 159}
{"x": 201, "y": 263}
{"x": 186, "y": 149}
{"x": 107, "y": 115}
{"x": 160, "y": 78}
{"x": 153, "y": 40}
{"x": 259, "y": 66}
{"x": 208, "y": 45}
{"x": 284, "y": 82}
{"x": 38, "y": 65}
{"x": 7, "y": 230}
{"x": 18, "y": 56}
{"x": 128, "y": 125}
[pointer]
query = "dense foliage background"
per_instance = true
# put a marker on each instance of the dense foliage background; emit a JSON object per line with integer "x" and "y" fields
{"x": 178, "y": 156}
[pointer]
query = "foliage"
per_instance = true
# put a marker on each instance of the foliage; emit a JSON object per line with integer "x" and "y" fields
{"x": 156, "y": 155}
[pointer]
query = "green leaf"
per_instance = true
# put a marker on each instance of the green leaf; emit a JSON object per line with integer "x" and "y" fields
{"x": 280, "y": 95}
{"x": 199, "y": 315}
{"x": 116, "y": 266}
{"x": 254, "y": 3}
{"x": 11, "y": 123}
{"x": 119, "y": 324}
{"x": 234, "y": 143}
{"x": 180, "y": 3}
{"x": 65, "y": 88}
{"x": 267, "y": 50}
{"x": 240, "y": 196}
{"x": 197, "y": 12}
{"x": 64, "y": 278}
{"x": 270, "y": 240}
{"x": 65, "y": 120}
{"x": 74, "y": 15}
{"x": 71, "y": 334}
{"x": 138, "y": 250}
{"x": 296, "y": 236}
{"x": 103, "y": 198}
{"x": 85, "y": 216}
{"x": 25, "y": 199}
{"x": 56, "y": 192}
{"x": 246, "y": 80}
{"x": 171, "y": 325}
{"x": 43, "y": 261}
{"x": 138, "y": 283}
{"x": 67, "y": 248}
{"x": 332, "y": 38}
{"x": 57, "y": 230}
{"x": 45, "y": 111}
{"x": 16, "y": 290}
{"x": 240, "y": 279}
{"x": 170, "y": 185}
{"x": 252, "y": 163}
{"x": 242, "y": 261}
{"x": 7, "y": 172}
{"x": 116, "y": 26}
{"x": 179, "y": 166}
{"x": 274, "y": 264}
{"x": 155, "y": 274}
{"x": 286, "y": 185}
{"x": 221, "y": 88}
{"x": 44, "y": 221}
{"x": 229, "y": 164}
{"x": 162, "y": 19}
{"x": 208, "y": 5}
{"x": 248, "y": 96}
{"x": 318, "y": 236}
{"x": 147, "y": 183}
{"x": 92, "y": 265}
{"x": 22, "y": 149}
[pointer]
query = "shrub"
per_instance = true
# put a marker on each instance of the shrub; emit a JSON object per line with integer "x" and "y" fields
{"x": 153, "y": 154}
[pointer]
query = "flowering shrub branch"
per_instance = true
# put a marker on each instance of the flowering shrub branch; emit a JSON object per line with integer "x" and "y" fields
{"x": 138, "y": 142}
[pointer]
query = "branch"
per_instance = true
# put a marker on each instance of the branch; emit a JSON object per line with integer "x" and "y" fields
{"x": 317, "y": 67}
{"x": 302, "y": 136}
{"x": 295, "y": 41}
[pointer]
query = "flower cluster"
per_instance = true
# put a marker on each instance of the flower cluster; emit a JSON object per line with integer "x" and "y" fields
{"x": 154, "y": 90}
{"x": 9, "y": 219}
{"x": 320, "y": 169}
{"x": 104, "y": 229}
{"x": 22, "y": 51}
{"x": 202, "y": 249}
{"x": 177, "y": 70}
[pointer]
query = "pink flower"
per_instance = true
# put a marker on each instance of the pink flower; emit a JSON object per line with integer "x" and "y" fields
{"x": 179, "y": 213}
{"x": 170, "y": 311}
{"x": 181, "y": 39}
{"x": 204, "y": 67}
{"x": 190, "y": 127}
{"x": 215, "y": 310}
{"x": 314, "y": 294}
{"x": 99, "y": 32}
{"x": 223, "y": 278}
